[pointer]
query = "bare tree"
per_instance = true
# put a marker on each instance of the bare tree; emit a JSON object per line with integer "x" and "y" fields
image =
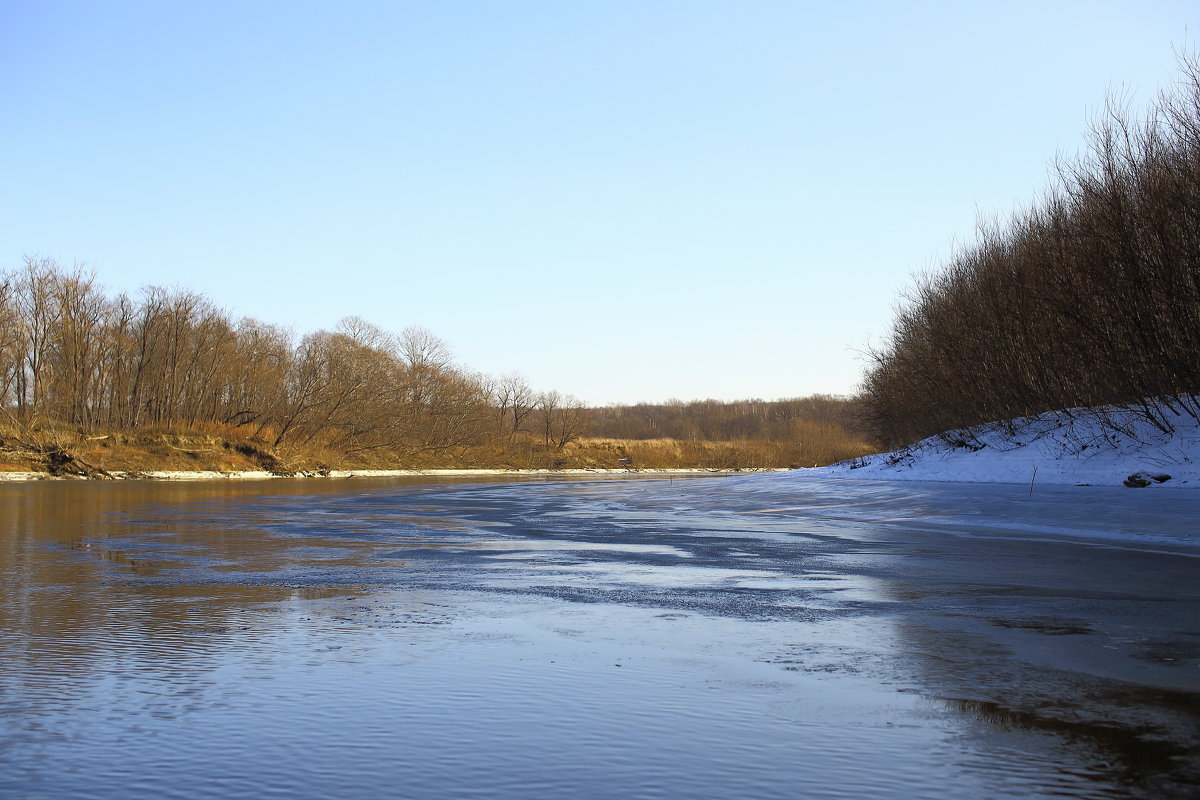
{"x": 514, "y": 401}
{"x": 10, "y": 340}
{"x": 562, "y": 418}
{"x": 35, "y": 306}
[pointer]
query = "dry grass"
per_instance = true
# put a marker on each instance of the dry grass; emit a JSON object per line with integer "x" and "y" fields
{"x": 816, "y": 445}
{"x": 230, "y": 449}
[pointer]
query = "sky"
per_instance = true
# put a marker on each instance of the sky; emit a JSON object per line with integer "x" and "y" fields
{"x": 626, "y": 201}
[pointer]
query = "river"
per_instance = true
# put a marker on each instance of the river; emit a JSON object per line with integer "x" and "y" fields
{"x": 757, "y": 636}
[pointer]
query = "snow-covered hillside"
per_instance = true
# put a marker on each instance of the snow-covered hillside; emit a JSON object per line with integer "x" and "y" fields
{"x": 1055, "y": 448}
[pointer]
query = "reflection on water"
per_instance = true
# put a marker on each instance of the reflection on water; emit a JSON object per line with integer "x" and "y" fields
{"x": 702, "y": 638}
{"x": 1140, "y": 756}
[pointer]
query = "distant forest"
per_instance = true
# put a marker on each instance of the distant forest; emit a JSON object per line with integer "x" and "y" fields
{"x": 1088, "y": 298}
{"x": 89, "y": 379}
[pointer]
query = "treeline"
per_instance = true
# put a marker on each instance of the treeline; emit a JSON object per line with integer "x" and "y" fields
{"x": 716, "y": 420}
{"x": 803, "y": 431}
{"x": 171, "y": 359}
{"x": 74, "y": 359}
{"x": 1089, "y": 298}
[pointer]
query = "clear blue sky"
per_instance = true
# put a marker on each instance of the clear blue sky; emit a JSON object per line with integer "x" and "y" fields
{"x": 622, "y": 200}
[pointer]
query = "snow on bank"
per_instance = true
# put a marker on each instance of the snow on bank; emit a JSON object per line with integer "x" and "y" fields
{"x": 1052, "y": 448}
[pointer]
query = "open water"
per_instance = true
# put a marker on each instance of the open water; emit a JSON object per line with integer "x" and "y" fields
{"x": 758, "y": 637}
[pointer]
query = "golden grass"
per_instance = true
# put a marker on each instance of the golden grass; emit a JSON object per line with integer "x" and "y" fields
{"x": 222, "y": 448}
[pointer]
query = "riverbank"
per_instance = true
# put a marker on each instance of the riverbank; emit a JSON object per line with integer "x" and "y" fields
{"x": 218, "y": 451}
{"x": 254, "y": 475}
{"x": 1096, "y": 447}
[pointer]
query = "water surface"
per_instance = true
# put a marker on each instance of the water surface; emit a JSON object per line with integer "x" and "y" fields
{"x": 709, "y": 637}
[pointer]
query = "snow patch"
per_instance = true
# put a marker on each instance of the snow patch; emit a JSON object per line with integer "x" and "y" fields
{"x": 1106, "y": 447}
